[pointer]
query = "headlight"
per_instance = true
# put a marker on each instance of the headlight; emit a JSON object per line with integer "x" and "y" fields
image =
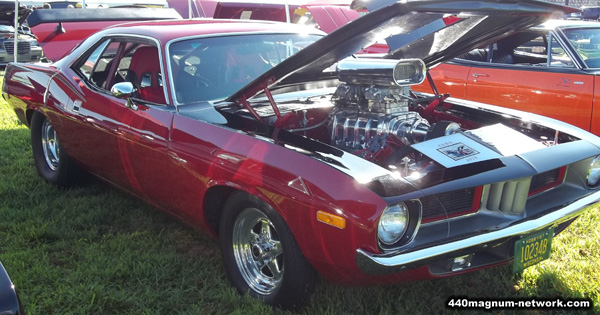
{"x": 393, "y": 223}
{"x": 593, "y": 176}
{"x": 33, "y": 43}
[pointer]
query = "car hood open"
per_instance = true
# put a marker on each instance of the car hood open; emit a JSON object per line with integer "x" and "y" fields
{"x": 7, "y": 13}
{"x": 431, "y": 30}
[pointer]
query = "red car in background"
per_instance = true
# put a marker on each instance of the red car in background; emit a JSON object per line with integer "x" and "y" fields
{"x": 326, "y": 15}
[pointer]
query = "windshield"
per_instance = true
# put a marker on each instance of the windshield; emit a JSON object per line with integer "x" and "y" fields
{"x": 586, "y": 42}
{"x": 205, "y": 69}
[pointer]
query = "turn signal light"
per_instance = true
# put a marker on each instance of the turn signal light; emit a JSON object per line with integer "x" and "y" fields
{"x": 331, "y": 219}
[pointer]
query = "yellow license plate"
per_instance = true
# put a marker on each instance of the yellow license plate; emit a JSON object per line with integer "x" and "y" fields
{"x": 532, "y": 249}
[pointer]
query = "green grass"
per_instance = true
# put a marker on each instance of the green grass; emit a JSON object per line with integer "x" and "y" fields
{"x": 96, "y": 250}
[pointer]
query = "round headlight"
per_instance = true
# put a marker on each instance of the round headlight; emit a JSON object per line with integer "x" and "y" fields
{"x": 593, "y": 175}
{"x": 393, "y": 223}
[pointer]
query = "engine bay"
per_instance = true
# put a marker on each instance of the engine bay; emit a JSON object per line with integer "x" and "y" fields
{"x": 374, "y": 114}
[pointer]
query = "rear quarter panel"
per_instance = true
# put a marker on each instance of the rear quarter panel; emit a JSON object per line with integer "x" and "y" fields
{"x": 24, "y": 87}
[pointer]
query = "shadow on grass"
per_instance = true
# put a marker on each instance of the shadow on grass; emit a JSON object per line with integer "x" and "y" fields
{"x": 432, "y": 296}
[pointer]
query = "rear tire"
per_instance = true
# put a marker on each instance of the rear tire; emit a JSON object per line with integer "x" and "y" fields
{"x": 261, "y": 256}
{"x": 51, "y": 161}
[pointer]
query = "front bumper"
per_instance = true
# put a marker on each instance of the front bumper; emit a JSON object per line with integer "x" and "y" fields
{"x": 378, "y": 264}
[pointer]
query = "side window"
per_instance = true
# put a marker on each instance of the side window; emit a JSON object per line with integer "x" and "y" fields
{"x": 88, "y": 66}
{"x": 123, "y": 66}
{"x": 119, "y": 60}
{"x": 535, "y": 46}
{"x": 144, "y": 73}
{"x": 97, "y": 66}
{"x": 558, "y": 56}
{"x": 534, "y": 52}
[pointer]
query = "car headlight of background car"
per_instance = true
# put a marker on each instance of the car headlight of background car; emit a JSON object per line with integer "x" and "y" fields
{"x": 593, "y": 176}
{"x": 393, "y": 223}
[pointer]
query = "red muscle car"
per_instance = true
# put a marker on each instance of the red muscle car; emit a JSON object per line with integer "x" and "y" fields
{"x": 305, "y": 160}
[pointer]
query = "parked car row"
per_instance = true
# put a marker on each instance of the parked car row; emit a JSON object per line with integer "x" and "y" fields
{"x": 27, "y": 46}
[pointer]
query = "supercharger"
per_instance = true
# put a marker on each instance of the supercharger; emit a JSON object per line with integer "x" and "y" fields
{"x": 374, "y": 102}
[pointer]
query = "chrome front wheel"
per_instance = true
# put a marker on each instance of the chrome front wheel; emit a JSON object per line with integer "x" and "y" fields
{"x": 260, "y": 254}
{"x": 257, "y": 251}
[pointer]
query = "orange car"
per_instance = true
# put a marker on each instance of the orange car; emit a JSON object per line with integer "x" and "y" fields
{"x": 549, "y": 70}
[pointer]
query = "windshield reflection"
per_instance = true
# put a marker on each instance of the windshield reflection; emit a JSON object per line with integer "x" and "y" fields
{"x": 205, "y": 69}
{"x": 586, "y": 42}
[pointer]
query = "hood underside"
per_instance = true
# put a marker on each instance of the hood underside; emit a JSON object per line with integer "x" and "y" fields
{"x": 7, "y": 13}
{"x": 431, "y": 30}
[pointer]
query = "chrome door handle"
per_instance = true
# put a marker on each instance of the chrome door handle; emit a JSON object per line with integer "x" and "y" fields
{"x": 477, "y": 75}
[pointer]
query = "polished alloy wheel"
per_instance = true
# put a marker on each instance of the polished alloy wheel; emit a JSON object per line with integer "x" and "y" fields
{"x": 257, "y": 251}
{"x": 50, "y": 145}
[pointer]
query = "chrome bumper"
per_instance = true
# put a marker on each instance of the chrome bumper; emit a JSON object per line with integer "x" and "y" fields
{"x": 378, "y": 264}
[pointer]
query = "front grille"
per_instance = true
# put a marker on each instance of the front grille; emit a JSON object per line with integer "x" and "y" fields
{"x": 546, "y": 180}
{"x": 450, "y": 204}
{"x": 509, "y": 197}
{"x": 22, "y": 47}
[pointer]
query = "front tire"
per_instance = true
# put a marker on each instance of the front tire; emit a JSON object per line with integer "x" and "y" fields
{"x": 51, "y": 161}
{"x": 260, "y": 254}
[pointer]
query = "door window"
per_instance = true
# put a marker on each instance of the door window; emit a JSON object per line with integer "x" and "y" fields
{"x": 89, "y": 65}
{"x": 558, "y": 56}
{"x": 124, "y": 60}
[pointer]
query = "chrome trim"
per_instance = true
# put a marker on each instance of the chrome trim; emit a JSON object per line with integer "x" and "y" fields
{"x": 399, "y": 261}
{"x": 382, "y": 72}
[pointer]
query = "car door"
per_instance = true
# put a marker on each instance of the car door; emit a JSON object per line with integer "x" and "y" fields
{"x": 92, "y": 127}
{"x": 146, "y": 123}
{"x": 450, "y": 78}
{"x": 552, "y": 86}
{"x": 126, "y": 138}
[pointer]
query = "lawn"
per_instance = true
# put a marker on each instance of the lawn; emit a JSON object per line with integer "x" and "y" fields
{"x": 96, "y": 250}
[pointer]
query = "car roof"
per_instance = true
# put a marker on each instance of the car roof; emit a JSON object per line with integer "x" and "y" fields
{"x": 554, "y": 24}
{"x": 168, "y": 30}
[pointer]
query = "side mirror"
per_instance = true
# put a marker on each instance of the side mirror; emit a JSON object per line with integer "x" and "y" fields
{"x": 122, "y": 90}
